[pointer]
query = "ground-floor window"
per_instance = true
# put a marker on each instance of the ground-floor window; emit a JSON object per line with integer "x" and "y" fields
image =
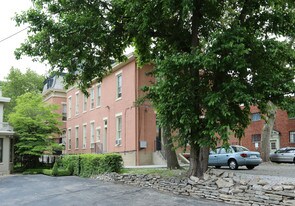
{"x": 1, "y": 149}
{"x": 292, "y": 137}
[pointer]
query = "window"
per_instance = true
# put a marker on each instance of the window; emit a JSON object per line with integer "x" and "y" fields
{"x": 70, "y": 106}
{"x": 256, "y": 117}
{"x": 119, "y": 85}
{"x": 273, "y": 145}
{"x": 64, "y": 112}
{"x": 105, "y": 134}
{"x": 98, "y": 134}
{"x": 84, "y": 136}
{"x": 69, "y": 139}
{"x": 77, "y": 104}
{"x": 119, "y": 129}
{"x": 292, "y": 137}
{"x": 91, "y": 98}
{"x": 92, "y": 134}
{"x": 1, "y": 149}
{"x": 77, "y": 138}
{"x": 256, "y": 138}
{"x": 84, "y": 103}
{"x": 98, "y": 93}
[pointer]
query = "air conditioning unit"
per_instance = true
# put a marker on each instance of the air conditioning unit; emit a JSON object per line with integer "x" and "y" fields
{"x": 142, "y": 144}
{"x": 118, "y": 142}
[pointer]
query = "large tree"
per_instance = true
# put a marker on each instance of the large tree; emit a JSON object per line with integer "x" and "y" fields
{"x": 213, "y": 59}
{"x": 17, "y": 83}
{"x": 34, "y": 123}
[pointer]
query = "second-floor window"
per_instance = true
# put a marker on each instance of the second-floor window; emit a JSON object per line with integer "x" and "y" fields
{"x": 84, "y": 103}
{"x": 70, "y": 106}
{"x": 98, "y": 95}
{"x": 77, "y": 104}
{"x": 64, "y": 112}
{"x": 91, "y": 98}
{"x": 256, "y": 138}
{"x": 255, "y": 117}
{"x": 119, "y": 85}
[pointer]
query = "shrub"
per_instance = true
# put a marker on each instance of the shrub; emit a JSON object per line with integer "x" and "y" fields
{"x": 55, "y": 169}
{"x": 86, "y": 165}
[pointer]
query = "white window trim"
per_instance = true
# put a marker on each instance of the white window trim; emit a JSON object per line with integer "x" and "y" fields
{"x": 77, "y": 94}
{"x": 92, "y": 142}
{"x": 84, "y": 144}
{"x": 70, "y": 106}
{"x": 98, "y": 140}
{"x": 76, "y": 136}
{"x": 292, "y": 133}
{"x": 69, "y": 137}
{"x": 96, "y": 86}
{"x": 118, "y": 140}
{"x": 85, "y": 103}
{"x": 117, "y": 74}
{"x": 90, "y": 102}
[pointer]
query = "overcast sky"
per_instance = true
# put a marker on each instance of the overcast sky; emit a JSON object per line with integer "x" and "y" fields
{"x": 7, "y": 47}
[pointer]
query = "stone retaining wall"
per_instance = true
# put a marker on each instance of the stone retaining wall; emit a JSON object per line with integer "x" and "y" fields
{"x": 216, "y": 185}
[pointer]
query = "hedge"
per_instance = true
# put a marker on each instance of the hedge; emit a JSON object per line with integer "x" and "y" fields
{"x": 85, "y": 165}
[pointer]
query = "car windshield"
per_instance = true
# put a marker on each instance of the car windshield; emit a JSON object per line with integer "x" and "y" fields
{"x": 239, "y": 148}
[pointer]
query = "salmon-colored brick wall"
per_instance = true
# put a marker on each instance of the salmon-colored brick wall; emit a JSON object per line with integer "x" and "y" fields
{"x": 283, "y": 125}
{"x": 138, "y": 122}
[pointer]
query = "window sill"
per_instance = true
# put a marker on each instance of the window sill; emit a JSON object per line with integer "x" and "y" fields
{"x": 118, "y": 99}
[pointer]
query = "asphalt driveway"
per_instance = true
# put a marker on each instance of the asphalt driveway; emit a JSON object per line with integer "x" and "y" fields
{"x": 40, "y": 190}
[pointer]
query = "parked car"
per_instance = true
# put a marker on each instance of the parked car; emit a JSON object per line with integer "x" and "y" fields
{"x": 234, "y": 156}
{"x": 286, "y": 154}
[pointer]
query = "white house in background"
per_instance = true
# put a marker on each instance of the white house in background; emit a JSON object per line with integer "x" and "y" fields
{"x": 6, "y": 141}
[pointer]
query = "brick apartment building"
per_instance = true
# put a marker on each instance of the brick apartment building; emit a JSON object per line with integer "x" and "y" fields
{"x": 283, "y": 134}
{"x": 108, "y": 119}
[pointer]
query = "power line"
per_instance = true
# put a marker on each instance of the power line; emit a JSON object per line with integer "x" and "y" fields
{"x": 2, "y": 40}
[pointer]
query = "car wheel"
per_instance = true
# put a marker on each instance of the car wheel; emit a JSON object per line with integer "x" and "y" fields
{"x": 217, "y": 167}
{"x": 250, "y": 167}
{"x": 233, "y": 165}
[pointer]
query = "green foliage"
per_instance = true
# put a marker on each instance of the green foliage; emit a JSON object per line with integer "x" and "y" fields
{"x": 86, "y": 165}
{"x": 34, "y": 122}
{"x": 210, "y": 57}
{"x": 18, "y": 83}
{"x": 55, "y": 169}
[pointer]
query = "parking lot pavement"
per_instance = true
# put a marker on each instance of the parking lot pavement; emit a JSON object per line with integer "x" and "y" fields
{"x": 40, "y": 190}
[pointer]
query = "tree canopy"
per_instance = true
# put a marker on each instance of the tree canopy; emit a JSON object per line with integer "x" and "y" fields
{"x": 17, "y": 83}
{"x": 34, "y": 122}
{"x": 210, "y": 56}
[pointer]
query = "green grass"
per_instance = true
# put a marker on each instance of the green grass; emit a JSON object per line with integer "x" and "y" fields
{"x": 162, "y": 172}
{"x": 61, "y": 172}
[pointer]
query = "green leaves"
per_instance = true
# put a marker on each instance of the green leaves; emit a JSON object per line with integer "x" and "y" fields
{"x": 34, "y": 122}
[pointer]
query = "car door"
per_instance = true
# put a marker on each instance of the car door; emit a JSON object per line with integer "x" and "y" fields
{"x": 213, "y": 155}
{"x": 223, "y": 156}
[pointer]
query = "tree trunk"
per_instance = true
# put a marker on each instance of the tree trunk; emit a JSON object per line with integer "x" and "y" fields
{"x": 172, "y": 162}
{"x": 198, "y": 160}
{"x": 267, "y": 131}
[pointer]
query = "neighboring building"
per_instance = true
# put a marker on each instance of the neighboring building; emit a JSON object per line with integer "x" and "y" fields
{"x": 108, "y": 120}
{"x": 54, "y": 93}
{"x": 283, "y": 134}
{"x": 6, "y": 141}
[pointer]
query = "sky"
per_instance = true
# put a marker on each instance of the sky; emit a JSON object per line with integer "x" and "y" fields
{"x": 7, "y": 47}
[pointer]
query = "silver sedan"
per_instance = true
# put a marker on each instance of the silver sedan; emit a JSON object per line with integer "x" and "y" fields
{"x": 286, "y": 154}
{"x": 234, "y": 156}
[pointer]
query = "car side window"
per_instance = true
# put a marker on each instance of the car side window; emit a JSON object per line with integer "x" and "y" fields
{"x": 222, "y": 151}
{"x": 291, "y": 151}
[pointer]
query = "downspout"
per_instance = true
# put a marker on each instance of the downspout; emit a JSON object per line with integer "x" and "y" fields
{"x": 136, "y": 115}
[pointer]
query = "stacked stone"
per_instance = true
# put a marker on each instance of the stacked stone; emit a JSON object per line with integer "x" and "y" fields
{"x": 215, "y": 185}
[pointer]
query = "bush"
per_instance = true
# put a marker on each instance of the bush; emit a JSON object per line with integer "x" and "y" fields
{"x": 55, "y": 169}
{"x": 85, "y": 165}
